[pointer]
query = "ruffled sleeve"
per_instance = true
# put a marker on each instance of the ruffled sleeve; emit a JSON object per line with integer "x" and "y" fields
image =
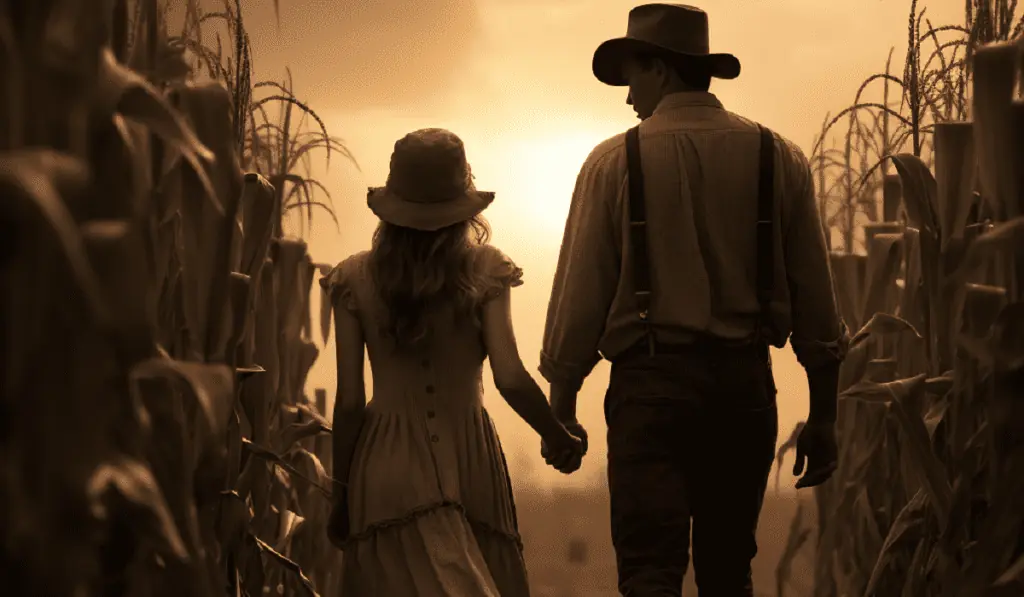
{"x": 499, "y": 271}
{"x": 338, "y": 284}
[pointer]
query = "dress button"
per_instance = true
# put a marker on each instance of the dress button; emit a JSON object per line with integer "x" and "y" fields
{"x": 434, "y": 438}
{"x": 430, "y": 389}
{"x": 430, "y": 414}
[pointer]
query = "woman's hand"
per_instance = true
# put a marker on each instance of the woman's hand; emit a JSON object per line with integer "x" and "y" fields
{"x": 338, "y": 528}
{"x": 565, "y": 450}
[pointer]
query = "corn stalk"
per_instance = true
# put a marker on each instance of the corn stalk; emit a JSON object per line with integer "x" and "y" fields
{"x": 157, "y": 331}
{"x": 927, "y": 499}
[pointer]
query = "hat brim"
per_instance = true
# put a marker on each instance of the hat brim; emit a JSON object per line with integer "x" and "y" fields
{"x": 393, "y": 209}
{"x": 610, "y": 56}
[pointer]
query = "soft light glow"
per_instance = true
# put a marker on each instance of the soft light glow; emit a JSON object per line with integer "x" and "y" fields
{"x": 537, "y": 176}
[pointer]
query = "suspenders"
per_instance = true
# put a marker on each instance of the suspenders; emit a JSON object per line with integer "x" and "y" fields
{"x": 638, "y": 231}
{"x": 765, "y": 238}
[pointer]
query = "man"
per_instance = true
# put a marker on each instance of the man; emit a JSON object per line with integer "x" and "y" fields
{"x": 690, "y": 407}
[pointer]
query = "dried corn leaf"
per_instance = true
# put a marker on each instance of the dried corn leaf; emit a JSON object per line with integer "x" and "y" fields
{"x": 34, "y": 184}
{"x": 296, "y": 432}
{"x": 905, "y": 529}
{"x": 276, "y": 459}
{"x": 884, "y": 259}
{"x": 313, "y": 411}
{"x": 919, "y": 190}
{"x": 1003, "y": 238}
{"x": 291, "y": 566}
{"x": 140, "y": 502}
{"x": 309, "y": 466}
{"x": 901, "y": 395}
{"x": 212, "y": 386}
{"x": 883, "y": 324}
{"x": 120, "y": 89}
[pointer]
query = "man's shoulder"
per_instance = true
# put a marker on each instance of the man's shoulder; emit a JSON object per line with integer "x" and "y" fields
{"x": 605, "y": 151}
{"x": 789, "y": 149}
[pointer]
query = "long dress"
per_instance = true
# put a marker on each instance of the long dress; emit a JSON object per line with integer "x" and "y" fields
{"x": 430, "y": 501}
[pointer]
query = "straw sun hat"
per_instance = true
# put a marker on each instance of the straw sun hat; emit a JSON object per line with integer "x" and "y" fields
{"x": 430, "y": 185}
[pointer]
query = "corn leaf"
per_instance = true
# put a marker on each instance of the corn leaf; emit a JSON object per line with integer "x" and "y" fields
{"x": 291, "y": 566}
{"x": 122, "y": 90}
{"x": 919, "y": 192}
{"x": 276, "y": 459}
{"x": 906, "y": 528}
{"x": 212, "y": 386}
{"x": 1004, "y": 238}
{"x": 899, "y": 394}
{"x": 140, "y": 502}
{"x": 35, "y": 183}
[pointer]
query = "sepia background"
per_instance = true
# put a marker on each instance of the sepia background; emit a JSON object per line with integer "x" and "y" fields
{"x": 167, "y": 205}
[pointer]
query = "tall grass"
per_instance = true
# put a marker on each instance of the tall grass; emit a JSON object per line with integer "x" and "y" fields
{"x": 928, "y": 499}
{"x": 155, "y": 438}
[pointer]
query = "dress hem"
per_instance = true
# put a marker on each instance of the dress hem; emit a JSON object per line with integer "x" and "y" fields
{"x": 476, "y": 525}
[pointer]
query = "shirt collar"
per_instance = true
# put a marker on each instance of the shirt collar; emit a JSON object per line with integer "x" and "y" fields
{"x": 688, "y": 99}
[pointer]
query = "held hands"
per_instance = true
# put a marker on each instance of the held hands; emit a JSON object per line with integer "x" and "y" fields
{"x": 565, "y": 452}
{"x": 816, "y": 445}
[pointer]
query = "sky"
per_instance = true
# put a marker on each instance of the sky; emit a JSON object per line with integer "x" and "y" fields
{"x": 513, "y": 79}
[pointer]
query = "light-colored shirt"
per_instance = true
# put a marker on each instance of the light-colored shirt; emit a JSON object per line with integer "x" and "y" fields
{"x": 700, "y": 164}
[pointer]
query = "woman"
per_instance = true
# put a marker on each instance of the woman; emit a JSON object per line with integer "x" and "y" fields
{"x": 427, "y": 510}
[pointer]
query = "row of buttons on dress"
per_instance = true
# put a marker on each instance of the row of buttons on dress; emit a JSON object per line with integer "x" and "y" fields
{"x": 430, "y": 390}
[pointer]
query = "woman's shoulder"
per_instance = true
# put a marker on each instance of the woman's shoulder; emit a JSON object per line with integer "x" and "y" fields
{"x": 498, "y": 268}
{"x": 339, "y": 280}
{"x": 350, "y": 264}
{"x": 490, "y": 255}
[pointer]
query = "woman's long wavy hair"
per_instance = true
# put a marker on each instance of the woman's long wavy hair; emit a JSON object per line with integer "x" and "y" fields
{"x": 414, "y": 269}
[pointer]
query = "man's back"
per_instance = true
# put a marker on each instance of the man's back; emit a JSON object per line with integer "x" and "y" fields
{"x": 700, "y": 165}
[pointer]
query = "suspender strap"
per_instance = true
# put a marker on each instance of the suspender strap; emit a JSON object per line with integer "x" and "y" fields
{"x": 638, "y": 231}
{"x": 765, "y": 228}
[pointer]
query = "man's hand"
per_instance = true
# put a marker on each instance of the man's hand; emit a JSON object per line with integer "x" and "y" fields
{"x": 816, "y": 447}
{"x": 567, "y": 460}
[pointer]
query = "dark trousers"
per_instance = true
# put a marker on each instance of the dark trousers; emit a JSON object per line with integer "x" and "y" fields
{"x": 691, "y": 437}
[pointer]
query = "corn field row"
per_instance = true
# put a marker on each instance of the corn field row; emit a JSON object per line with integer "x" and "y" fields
{"x": 155, "y": 437}
{"x": 928, "y": 498}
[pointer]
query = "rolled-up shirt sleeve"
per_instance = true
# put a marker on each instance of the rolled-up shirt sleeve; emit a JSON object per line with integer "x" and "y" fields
{"x": 819, "y": 334}
{"x": 587, "y": 274}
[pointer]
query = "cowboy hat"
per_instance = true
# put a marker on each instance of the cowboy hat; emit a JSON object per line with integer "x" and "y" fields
{"x": 430, "y": 185}
{"x": 674, "y": 29}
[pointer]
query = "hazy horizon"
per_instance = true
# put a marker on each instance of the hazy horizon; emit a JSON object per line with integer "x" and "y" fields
{"x": 513, "y": 79}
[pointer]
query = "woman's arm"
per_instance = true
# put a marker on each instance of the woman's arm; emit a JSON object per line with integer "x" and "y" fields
{"x": 513, "y": 381}
{"x": 350, "y": 400}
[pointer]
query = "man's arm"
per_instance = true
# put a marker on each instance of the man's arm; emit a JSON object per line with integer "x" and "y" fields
{"x": 585, "y": 282}
{"x": 820, "y": 337}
